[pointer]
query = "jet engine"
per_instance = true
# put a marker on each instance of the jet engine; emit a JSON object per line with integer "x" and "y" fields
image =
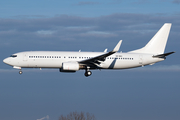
{"x": 69, "y": 67}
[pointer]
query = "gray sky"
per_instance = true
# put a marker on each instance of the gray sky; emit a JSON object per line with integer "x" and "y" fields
{"x": 147, "y": 93}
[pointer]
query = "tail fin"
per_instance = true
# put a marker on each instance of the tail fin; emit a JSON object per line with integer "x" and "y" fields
{"x": 158, "y": 43}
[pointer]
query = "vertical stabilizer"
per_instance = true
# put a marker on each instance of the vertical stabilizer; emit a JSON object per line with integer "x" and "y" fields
{"x": 158, "y": 43}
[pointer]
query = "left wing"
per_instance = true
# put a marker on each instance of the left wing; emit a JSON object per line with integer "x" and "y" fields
{"x": 98, "y": 59}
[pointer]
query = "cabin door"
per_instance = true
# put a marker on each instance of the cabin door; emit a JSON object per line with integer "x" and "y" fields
{"x": 140, "y": 59}
{"x": 25, "y": 57}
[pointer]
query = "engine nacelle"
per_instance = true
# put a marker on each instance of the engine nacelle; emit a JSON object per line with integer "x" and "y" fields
{"x": 69, "y": 67}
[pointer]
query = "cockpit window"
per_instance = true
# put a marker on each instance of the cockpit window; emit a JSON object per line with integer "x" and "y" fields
{"x": 13, "y": 56}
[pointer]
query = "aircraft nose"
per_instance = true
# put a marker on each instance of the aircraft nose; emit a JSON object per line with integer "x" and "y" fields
{"x": 7, "y": 61}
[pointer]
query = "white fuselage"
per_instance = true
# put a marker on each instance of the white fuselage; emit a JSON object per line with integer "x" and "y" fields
{"x": 54, "y": 59}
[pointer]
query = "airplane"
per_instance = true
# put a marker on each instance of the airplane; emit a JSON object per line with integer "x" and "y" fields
{"x": 66, "y": 61}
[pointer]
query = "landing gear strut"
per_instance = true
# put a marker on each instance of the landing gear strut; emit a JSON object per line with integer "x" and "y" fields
{"x": 20, "y": 72}
{"x": 87, "y": 72}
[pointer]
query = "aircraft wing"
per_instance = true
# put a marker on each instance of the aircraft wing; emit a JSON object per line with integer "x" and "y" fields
{"x": 98, "y": 59}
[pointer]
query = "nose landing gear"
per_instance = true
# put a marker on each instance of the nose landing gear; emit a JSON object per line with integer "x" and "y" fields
{"x": 20, "y": 72}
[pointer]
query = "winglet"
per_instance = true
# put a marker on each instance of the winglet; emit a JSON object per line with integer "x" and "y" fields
{"x": 117, "y": 46}
{"x": 105, "y": 50}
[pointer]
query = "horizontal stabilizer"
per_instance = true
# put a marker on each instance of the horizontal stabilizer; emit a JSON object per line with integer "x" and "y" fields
{"x": 163, "y": 55}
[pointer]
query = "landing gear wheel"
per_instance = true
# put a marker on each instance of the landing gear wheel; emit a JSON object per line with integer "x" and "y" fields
{"x": 87, "y": 73}
{"x": 20, "y": 72}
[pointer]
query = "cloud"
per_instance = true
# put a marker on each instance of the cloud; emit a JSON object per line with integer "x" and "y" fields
{"x": 88, "y": 3}
{"x": 154, "y": 68}
{"x": 72, "y": 27}
{"x": 176, "y": 1}
{"x": 47, "y": 118}
{"x": 141, "y": 2}
{"x": 56, "y": 32}
{"x": 169, "y": 68}
{"x": 7, "y": 70}
{"x": 45, "y": 32}
{"x": 25, "y": 70}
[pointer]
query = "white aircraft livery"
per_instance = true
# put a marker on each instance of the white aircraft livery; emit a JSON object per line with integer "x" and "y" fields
{"x": 151, "y": 53}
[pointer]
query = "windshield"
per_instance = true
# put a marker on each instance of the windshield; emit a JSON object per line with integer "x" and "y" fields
{"x": 13, "y": 56}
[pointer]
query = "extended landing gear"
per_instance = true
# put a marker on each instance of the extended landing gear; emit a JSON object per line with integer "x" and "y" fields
{"x": 20, "y": 72}
{"x": 87, "y": 72}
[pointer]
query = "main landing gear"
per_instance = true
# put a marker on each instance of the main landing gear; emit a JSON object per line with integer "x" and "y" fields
{"x": 87, "y": 72}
